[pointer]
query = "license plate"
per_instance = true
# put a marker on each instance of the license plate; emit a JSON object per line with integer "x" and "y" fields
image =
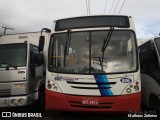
{"x": 90, "y": 101}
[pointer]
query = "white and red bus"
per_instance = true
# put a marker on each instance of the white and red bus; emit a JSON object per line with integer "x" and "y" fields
{"x": 93, "y": 65}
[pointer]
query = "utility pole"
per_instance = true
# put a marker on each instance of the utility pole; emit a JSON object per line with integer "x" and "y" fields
{"x": 5, "y": 28}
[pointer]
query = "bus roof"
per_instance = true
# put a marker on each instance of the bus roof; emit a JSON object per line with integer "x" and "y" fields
{"x": 119, "y": 21}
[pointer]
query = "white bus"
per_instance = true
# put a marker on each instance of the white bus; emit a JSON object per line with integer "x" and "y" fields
{"x": 93, "y": 65}
{"x": 150, "y": 72}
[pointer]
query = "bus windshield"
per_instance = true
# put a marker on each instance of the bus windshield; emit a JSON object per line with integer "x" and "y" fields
{"x": 13, "y": 55}
{"x": 83, "y": 53}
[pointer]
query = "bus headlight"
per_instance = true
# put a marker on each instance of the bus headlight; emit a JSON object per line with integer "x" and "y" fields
{"x": 55, "y": 88}
{"x": 49, "y": 86}
{"x": 14, "y": 102}
{"x": 128, "y": 90}
{"x": 136, "y": 87}
{"x": 21, "y": 101}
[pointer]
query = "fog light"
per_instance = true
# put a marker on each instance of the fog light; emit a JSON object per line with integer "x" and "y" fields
{"x": 55, "y": 88}
{"x": 136, "y": 87}
{"x": 14, "y": 102}
{"x": 19, "y": 85}
{"x": 21, "y": 101}
{"x": 131, "y": 86}
{"x": 128, "y": 90}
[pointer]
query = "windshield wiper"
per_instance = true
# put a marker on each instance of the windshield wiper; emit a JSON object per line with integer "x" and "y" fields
{"x": 7, "y": 68}
{"x": 106, "y": 40}
{"x": 100, "y": 59}
{"x": 7, "y": 65}
{"x": 67, "y": 45}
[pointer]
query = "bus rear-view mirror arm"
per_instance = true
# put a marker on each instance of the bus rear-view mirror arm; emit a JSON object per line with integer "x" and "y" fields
{"x": 42, "y": 39}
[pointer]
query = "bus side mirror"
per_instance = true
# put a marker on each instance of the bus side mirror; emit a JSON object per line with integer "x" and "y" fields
{"x": 41, "y": 43}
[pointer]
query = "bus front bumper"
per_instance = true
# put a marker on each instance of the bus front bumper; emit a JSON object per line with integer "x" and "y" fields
{"x": 62, "y": 102}
{"x": 21, "y": 100}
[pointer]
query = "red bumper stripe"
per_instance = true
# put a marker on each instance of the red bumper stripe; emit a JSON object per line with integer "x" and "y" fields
{"x": 62, "y": 102}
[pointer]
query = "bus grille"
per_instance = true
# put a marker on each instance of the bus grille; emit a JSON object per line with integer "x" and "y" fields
{"x": 80, "y": 85}
{"x": 5, "y": 92}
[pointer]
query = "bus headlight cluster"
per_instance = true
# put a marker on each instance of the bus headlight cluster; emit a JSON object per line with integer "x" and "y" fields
{"x": 51, "y": 85}
{"x": 136, "y": 87}
{"x": 133, "y": 87}
{"x": 17, "y": 102}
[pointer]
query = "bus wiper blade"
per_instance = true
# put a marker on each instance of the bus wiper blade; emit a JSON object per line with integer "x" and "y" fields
{"x": 67, "y": 45}
{"x": 15, "y": 67}
{"x": 100, "y": 61}
{"x": 106, "y": 40}
{"x": 5, "y": 65}
{"x": 7, "y": 68}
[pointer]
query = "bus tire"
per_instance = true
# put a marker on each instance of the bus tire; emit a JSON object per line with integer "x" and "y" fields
{"x": 42, "y": 101}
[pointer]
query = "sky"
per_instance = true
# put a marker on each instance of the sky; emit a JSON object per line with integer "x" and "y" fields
{"x": 33, "y": 15}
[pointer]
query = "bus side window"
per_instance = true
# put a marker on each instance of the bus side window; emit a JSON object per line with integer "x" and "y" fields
{"x": 154, "y": 58}
{"x": 144, "y": 51}
{"x": 149, "y": 61}
{"x": 154, "y": 69}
